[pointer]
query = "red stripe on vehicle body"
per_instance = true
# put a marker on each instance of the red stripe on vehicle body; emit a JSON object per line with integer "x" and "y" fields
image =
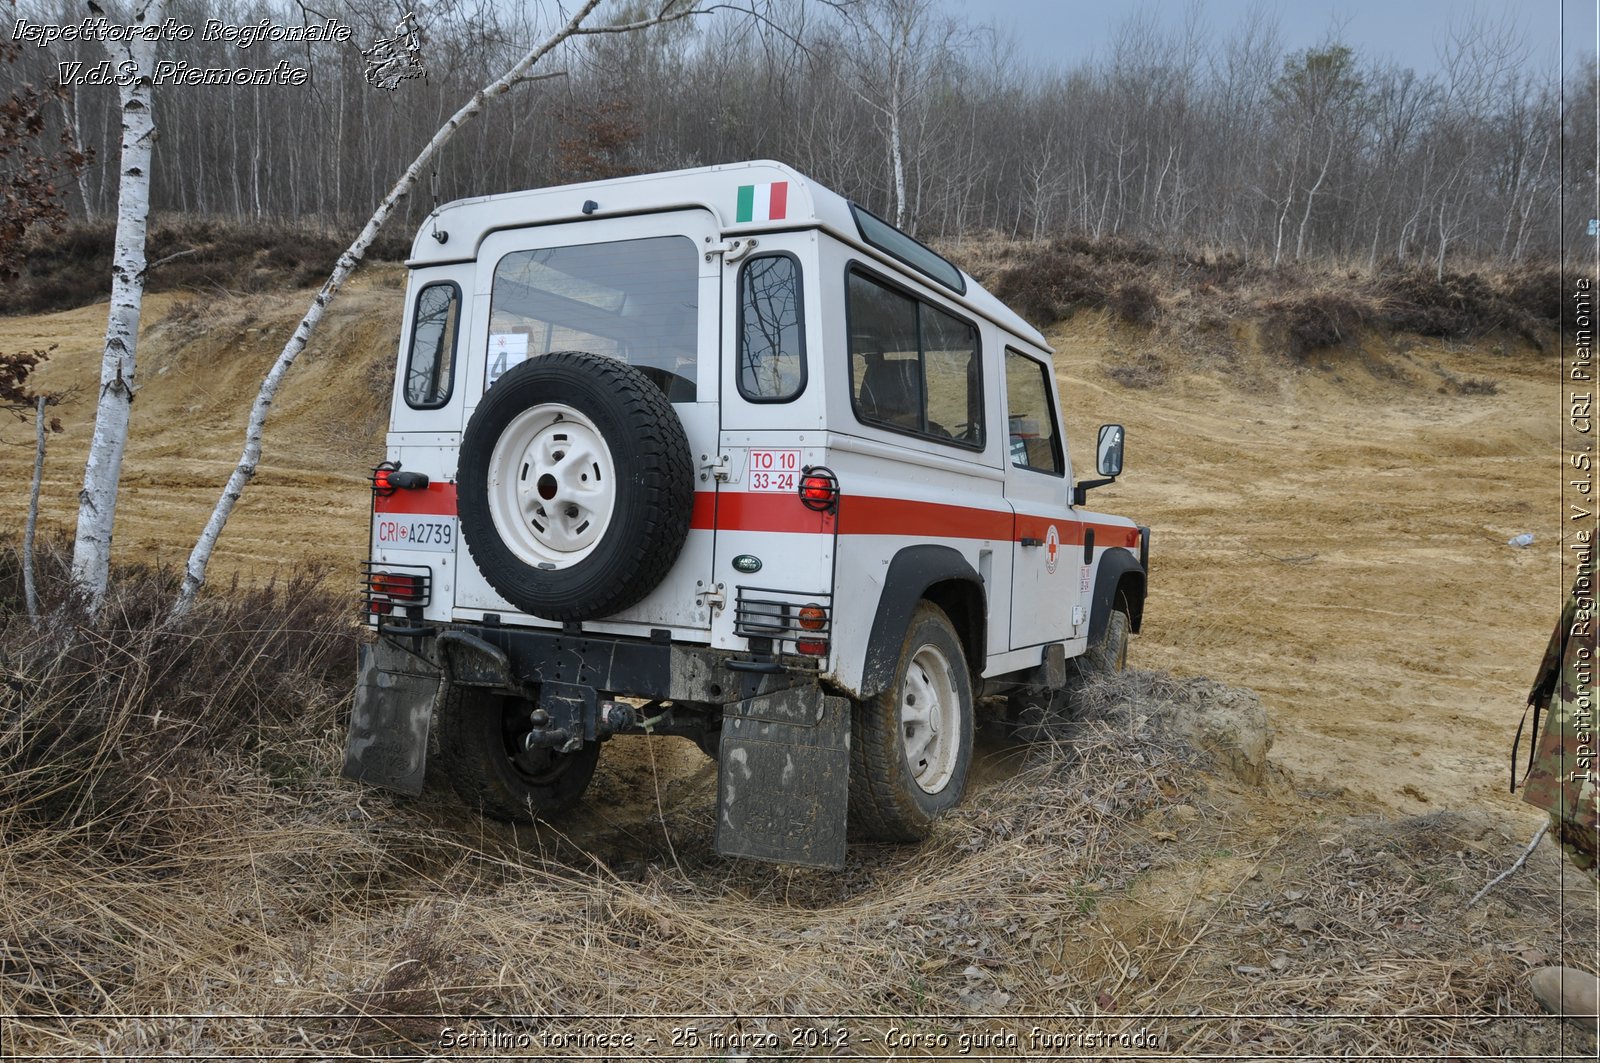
{"x": 753, "y": 511}
{"x": 435, "y": 500}
{"x": 1032, "y": 526}
{"x": 756, "y": 511}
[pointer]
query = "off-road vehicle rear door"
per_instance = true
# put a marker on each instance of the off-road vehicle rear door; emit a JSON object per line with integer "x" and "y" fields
{"x": 642, "y": 290}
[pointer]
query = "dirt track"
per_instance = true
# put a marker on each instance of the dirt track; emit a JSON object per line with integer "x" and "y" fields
{"x": 1333, "y": 536}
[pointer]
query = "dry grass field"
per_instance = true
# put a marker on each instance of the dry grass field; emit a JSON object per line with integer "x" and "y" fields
{"x": 1329, "y": 533}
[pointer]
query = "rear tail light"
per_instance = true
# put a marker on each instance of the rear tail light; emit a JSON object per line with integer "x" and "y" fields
{"x": 784, "y": 621}
{"x": 387, "y": 479}
{"x": 819, "y": 488}
{"x": 399, "y": 586}
{"x": 394, "y": 589}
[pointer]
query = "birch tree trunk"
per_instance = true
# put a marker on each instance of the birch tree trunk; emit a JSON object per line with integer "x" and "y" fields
{"x": 30, "y": 591}
{"x": 195, "y": 571}
{"x": 97, "y": 502}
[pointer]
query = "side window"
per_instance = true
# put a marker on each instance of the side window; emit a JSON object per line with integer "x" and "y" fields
{"x": 913, "y": 367}
{"x": 1035, "y": 439}
{"x": 430, "y": 365}
{"x": 950, "y": 369}
{"x": 772, "y": 359}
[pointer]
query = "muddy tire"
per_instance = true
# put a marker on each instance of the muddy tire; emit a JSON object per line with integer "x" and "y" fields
{"x": 1110, "y": 655}
{"x": 480, "y": 752}
{"x": 911, "y": 746}
{"x": 575, "y": 486}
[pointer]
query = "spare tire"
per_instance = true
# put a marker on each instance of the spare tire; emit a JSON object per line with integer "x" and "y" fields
{"x": 574, "y": 486}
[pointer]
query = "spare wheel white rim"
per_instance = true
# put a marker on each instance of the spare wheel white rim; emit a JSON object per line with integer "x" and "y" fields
{"x": 552, "y": 486}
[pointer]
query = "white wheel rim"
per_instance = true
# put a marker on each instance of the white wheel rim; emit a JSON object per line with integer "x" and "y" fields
{"x": 552, "y": 486}
{"x": 930, "y": 719}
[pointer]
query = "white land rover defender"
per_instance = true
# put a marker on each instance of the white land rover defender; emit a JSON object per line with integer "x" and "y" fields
{"x": 719, "y": 454}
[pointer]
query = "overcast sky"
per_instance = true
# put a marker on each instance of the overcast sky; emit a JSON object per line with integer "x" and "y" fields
{"x": 1059, "y": 33}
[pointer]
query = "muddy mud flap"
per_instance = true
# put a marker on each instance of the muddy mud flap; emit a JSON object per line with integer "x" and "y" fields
{"x": 783, "y": 788}
{"x": 388, "y": 742}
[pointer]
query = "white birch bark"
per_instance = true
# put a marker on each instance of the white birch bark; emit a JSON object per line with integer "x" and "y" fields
{"x": 97, "y": 502}
{"x": 195, "y": 571}
{"x": 30, "y": 591}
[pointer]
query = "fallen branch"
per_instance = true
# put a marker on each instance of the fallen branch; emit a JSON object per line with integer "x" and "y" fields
{"x": 169, "y": 258}
{"x": 1502, "y": 876}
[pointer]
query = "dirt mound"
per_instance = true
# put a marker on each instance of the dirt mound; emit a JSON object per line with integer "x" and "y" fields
{"x": 1227, "y": 724}
{"x": 1331, "y": 534}
{"x": 1305, "y": 307}
{"x": 62, "y": 271}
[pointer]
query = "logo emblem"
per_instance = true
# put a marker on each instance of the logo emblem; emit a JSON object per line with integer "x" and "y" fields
{"x": 1052, "y": 549}
{"x": 747, "y": 563}
{"x": 392, "y": 60}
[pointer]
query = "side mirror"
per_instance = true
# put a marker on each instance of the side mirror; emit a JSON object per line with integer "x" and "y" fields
{"x": 1108, "y": 460}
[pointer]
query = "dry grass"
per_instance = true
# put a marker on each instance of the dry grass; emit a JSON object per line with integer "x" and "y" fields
{"x": 1117, "y": 881}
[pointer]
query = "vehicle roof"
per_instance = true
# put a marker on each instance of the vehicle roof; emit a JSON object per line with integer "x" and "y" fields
{"x": 711, "y": 188}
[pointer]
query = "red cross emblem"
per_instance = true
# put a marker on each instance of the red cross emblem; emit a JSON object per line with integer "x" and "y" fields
{"x": 1052, "y": 547}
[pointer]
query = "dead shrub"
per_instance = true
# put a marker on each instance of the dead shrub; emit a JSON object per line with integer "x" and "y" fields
{"x": 1050, "y": 282}
{"x": 1316, "y": 320}
{"x": 1135, "y": 302}
{"x": 74, "y": 268}
{"x": 100, "y": 720}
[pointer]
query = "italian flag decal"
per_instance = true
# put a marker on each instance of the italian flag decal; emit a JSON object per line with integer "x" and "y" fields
{"x": 768, "y": 202}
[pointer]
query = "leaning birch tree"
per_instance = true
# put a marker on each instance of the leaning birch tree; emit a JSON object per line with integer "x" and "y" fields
{"x": 655, "y": 13}
{"x": 102, "y": 472}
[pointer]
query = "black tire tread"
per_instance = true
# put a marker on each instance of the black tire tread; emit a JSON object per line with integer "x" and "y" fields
{"x": 472, "y": 757}
{"x": 881, "y": 807}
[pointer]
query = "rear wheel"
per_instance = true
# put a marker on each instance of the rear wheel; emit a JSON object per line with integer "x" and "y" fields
{"x": 911, "y": 746}
{"x": 482, "y": 752}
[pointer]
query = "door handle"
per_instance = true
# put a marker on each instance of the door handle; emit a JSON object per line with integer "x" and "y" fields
{"x": 1032, "y": 542}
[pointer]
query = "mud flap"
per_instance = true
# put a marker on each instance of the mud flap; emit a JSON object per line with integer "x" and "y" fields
{"x": 783, "y": 788}
{"x": 388, "y": 742}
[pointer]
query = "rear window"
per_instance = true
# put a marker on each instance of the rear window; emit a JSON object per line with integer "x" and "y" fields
{"x": 634, "y": 300}
{"x": 430, "y": 362}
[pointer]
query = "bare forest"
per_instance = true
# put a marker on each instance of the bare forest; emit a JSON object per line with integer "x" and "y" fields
{"x": 1194, "y": 134}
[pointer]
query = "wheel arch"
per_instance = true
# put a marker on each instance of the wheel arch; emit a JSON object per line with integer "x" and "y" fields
{"x": 1118, "y": 576}
{"x": 938, "y": 574}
